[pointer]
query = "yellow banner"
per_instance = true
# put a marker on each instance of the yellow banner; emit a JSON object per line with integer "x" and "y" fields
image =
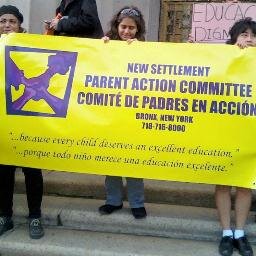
{"x": 181, "y": 112}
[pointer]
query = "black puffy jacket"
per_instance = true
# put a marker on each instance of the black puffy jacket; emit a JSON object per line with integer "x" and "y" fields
{"x": 80, "y": 19}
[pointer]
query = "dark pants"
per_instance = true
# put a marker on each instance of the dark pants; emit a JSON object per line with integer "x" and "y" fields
{"x": 34, "y": 188}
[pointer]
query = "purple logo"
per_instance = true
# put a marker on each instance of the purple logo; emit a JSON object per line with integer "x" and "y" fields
{"x": 37, "y": 88}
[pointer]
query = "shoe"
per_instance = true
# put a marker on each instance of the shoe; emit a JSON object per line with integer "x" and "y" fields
{"x": 108, "y": 208}
{"x": 243, "y": 246}
{"x": 139, "y": 213}
{"x": 6, "y": 224}
{"x": 226, "y": 246}
{"x": 36, "y": 230}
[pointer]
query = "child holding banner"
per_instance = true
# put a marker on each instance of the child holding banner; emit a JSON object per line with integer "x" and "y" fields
{"x": 127, "y": 25}
{"x": 243, "y": 34}
{"x": 10, "y": 22}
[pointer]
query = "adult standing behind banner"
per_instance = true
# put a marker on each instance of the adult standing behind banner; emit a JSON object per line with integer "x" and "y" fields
{"x": 10, "y": 22}
{"x": 78, "y": 18}
{"x": 243, "y": 34}
{"x": 127, "y": 25}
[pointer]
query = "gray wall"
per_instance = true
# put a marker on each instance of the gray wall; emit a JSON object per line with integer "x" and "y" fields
{"x": 41, "y": 10}
{"x": 35, "y": 11}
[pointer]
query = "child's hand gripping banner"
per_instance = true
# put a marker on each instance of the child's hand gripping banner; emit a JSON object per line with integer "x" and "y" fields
{"x": 180, "y": 112}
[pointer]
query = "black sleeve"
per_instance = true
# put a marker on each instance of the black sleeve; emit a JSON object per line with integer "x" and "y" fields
{"x": 84, "y": 22}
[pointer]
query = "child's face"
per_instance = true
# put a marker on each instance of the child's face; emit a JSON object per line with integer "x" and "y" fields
{"x": 127, "y": 29}
{"x": 247, "y": 38}
{"x": 8, "y": 24}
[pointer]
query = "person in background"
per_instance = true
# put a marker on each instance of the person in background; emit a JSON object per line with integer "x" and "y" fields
{"x": 242, "y": 34}
{"x": 77, "y": 18}
{"x": 127, "y": 25}
{"x": 10, "y": 22}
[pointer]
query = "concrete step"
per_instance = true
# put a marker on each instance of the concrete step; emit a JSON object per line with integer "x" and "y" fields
{"x": 170, "y": 221}
{"x": 64, "y": 242}
{"x": 92, "y": 186}
{"x": 156, "y": 191}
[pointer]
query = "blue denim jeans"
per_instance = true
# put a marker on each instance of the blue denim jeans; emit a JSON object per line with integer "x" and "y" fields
{"x": 114, "y": 190}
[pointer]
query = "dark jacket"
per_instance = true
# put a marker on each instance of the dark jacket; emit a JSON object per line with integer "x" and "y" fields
{"x": 80, "y": 19}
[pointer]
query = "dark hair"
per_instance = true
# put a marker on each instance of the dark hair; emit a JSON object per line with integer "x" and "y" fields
{"x": 127, "y": 12}
{"x": 240, "y": 27}
{"x": 10, "y": 9}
